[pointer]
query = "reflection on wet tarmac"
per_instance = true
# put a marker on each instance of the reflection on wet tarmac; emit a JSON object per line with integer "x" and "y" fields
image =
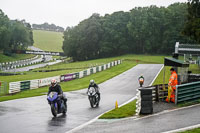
{"x": 57, "y": 121}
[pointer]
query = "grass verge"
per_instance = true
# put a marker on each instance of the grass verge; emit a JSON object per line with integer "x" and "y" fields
{"x": 48, "y": 40}
{"x": 128, "y": 62}
{"x": 127, "y": 110}
{"x": 196, "y": 130}
{"x": 75, "y": 84}
{"x": 14, "y": 57}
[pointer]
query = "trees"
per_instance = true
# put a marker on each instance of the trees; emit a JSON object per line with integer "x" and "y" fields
{"x": 83, "y": 41}
{"x": 4, "y": 30}
{"x": 14, "y": 34}
{"x": 48, "y": 27}
{"x": 115, "y": 38}
{"x": 192, "y": 26}
{"x": 143, "y": 30}
{"x": 20, "y": 36}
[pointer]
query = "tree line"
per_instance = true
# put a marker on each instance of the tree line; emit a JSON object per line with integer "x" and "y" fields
{"x": 48, "y": 27}
{"x": 143, "y": 30}
{"x": 14, "y": 34}
{"x": 192, "y": 25}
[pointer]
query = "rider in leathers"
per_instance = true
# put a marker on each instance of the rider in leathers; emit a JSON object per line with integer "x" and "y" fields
{"x": 55, "y": 87}
{"x": 93, "y": 84}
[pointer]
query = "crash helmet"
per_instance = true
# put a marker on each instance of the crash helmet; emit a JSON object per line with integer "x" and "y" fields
{"x": 92, "y": 82}
{"x": 53, "y": 82}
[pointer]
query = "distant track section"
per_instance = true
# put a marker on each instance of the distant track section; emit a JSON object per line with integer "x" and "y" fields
{"x": 38, "y": 52}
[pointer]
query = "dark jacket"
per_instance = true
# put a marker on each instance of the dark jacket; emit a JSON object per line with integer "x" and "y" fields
{"x": 95, "y": 86}
{"x": 56, "y": 88}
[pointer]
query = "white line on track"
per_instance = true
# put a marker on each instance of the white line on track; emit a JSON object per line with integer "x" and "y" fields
{"x": 156, "y": 75}
{"x": 183, "y": 129}
{"x": 93, "y": 120}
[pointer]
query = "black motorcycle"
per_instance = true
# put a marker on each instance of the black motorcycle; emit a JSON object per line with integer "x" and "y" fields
{"x": 93, "y": 97}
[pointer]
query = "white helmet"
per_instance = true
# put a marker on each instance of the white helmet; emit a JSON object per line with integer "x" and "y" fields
{"x": 53, "y": 82}
{"x": 92, "y": 82}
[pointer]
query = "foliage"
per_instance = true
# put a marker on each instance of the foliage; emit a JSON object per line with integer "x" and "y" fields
{"x": 196, "y": 130}
{"x": 143, "y": 30}
{"x": 48, "y": 27}
{"x": 14, "y": 34}
{"x": 83, "y": 41}
{"x": 127, "y": 110}
{"x": 48, "y": 40}
{"x": 192, "y": 26}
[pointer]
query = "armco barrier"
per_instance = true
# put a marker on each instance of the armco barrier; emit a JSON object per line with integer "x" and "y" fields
{"x": 25, "y": 85}
{"x": 15, "y": 87}
{"x": 67, "y": 77}
{"x": 81, "y": 74}
{"x": 77, "y": 75}
{"x": 88, "y": 72}
{"x": 84, "y": 73}
{"x": 34, "y": 84}
{"x": 94, "y": 69}
{"x": 187, "y": 92}
{"x": 91, "y": 71}
{"x": 100, "y": 68}
{"x": 47, "y": 81}
{"x": 97, "y": 69}
{"x": 10, "y": 65}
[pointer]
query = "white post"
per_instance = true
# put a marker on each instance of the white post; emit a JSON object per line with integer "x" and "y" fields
{"x": 176, "y": 47}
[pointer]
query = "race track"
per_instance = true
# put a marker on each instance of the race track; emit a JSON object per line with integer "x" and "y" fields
{"x": 33, "y": 115}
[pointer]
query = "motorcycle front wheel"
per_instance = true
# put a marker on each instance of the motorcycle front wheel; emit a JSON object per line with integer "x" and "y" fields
{"x": 91, "y": 102}
{"x": 65, "y": 110}
{"x": 54, "y": 110}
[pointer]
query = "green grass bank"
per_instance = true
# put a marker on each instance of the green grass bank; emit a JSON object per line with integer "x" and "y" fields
{"x": 48, "y": 40}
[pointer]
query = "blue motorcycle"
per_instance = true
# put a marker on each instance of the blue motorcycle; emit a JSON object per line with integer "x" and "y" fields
{"x": 56, "y": 103}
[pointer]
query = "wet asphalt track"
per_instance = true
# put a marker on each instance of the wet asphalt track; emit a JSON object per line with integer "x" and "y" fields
{"x": 165, "y": 122}
{"x": 33, "y": 115}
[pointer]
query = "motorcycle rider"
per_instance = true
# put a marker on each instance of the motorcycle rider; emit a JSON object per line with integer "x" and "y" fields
{"x": 55, "y": 87}
{"x": 96, "y": 87}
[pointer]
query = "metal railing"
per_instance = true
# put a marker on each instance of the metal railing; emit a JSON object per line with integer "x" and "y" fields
{"x": 187, "y": 92}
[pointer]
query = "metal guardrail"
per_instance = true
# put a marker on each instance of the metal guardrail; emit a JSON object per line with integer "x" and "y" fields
{"x": 193, "y": 77}
{"x": 187, "y": 92}
{"x": 19, "y": 63}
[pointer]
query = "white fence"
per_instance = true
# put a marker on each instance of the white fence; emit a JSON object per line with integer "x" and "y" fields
{"x": 20, "y": 63}
{"x": 47, "y": 81}
{"x": 15, "y": 87}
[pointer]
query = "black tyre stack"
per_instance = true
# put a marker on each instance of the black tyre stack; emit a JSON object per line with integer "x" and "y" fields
{"x": 146, "y": 101}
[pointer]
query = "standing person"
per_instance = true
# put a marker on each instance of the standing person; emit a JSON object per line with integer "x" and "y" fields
{"x": 173, "y": 81}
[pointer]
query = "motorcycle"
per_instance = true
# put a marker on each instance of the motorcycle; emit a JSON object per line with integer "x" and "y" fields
{"x": 56, "y": 103}
{"x": 93, "y": 97}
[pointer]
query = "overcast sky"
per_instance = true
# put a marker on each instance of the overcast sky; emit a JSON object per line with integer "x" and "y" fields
{"x": 70, "y": 12}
